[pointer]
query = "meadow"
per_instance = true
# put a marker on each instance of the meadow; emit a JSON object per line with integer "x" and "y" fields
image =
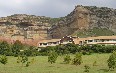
{"x": 40, "y": 65}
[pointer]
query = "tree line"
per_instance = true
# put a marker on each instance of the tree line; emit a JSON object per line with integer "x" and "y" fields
{"x": 73, "y": 48}
{"x": 17, "y": 48}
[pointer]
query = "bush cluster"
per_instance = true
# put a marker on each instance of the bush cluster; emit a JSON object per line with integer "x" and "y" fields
{"x": 15, "y": 49}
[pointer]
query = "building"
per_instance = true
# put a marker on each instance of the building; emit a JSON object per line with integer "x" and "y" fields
{"x": 54, "y": 42}
{"x": 51, "y": 42}
{"x": 104, "y": 40}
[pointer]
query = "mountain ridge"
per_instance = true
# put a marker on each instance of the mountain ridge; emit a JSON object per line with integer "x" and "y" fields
{"x": 82, "y": 18}
{"x": 85, "y": 18}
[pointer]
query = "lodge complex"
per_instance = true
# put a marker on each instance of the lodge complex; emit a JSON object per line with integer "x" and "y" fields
{"x": 103, "y": 40}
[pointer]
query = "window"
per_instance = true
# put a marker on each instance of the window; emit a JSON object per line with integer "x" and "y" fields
{"x": 44, "y": 43}
{"x": 40, "y": 43}
{"x": 114, "y": 39}
{"x": 90, "y": 40}
{"x": 54, "y": 42}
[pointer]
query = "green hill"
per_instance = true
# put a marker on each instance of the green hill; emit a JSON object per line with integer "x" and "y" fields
{"x": 94, "y": 32}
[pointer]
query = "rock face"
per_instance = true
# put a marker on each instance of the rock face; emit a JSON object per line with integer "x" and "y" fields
{"x": 27, "y": 26}
{"x": 84, "y": 18}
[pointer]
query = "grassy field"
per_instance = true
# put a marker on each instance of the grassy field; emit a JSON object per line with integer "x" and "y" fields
{"x": 41, "y": 65}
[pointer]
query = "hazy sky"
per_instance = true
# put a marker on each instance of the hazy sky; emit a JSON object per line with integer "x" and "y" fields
{"x": 51, "y": 8}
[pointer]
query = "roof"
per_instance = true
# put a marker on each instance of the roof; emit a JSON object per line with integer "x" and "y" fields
{"x": 51, "y": 40}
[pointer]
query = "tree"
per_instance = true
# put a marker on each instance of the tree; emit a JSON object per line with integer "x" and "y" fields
{"x": 96, "y": 48}
{"x": 77, "y": 59}
{"x": 86, "y": 49}
{"x": 30, "y": 52}
{"x": 72, "y": 48}
{"x": 67, "y": 59}
{"x": 17, "y": 46}
{"x": 4, "y": 48}
{"x": 52, "y": 57}
{"x": 112, "y": 61}
{"x": 59, "y": 49}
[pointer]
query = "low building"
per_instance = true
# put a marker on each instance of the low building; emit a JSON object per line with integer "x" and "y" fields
{"x": 51, "y": 42}
{"x": 104, "y": 40}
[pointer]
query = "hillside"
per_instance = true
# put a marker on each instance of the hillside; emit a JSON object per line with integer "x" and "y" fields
{"x": 94, "y": 32}
{"x": 84, "y": 18}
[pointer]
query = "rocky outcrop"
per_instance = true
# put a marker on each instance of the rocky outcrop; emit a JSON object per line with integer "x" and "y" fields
{"x": 28, "y": 26}
{"x": 84, "y": 18}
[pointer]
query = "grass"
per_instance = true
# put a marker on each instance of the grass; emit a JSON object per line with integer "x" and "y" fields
{"x": 42, "y": 66}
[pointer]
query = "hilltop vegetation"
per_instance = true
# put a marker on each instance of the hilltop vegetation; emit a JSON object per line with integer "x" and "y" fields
{"x": 94, "y": 32}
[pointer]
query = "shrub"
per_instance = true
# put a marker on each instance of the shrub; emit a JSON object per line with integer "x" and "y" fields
{"x": 22, "y": 59}
{"x": 72, "y": 48}
{"x": 52, "y": 57}
{"x": 77, "y": 59}
{"x": 67, "y": 59}
{"x": 112, "y": 61}
{"x": 86, "y": 68}
{"x": 27, "y": 64}
{"x": 3, "y": 59}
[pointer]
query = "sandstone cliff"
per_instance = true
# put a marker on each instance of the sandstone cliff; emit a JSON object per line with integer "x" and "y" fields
{"x": 85, "y": 18}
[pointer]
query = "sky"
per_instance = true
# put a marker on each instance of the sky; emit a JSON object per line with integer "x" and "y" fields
{"x": 49, "y": 8}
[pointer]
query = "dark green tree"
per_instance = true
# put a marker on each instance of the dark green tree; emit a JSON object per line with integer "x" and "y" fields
{"x": 112, "y": 61}
{"x": 52, "y": 57}
{"x": 31, "y": 51}
{"x": 5, "y": 48}
{"x": 96, "y": 48}
{"x": 17, "y": 46}
{"x": 72, "y": 48}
